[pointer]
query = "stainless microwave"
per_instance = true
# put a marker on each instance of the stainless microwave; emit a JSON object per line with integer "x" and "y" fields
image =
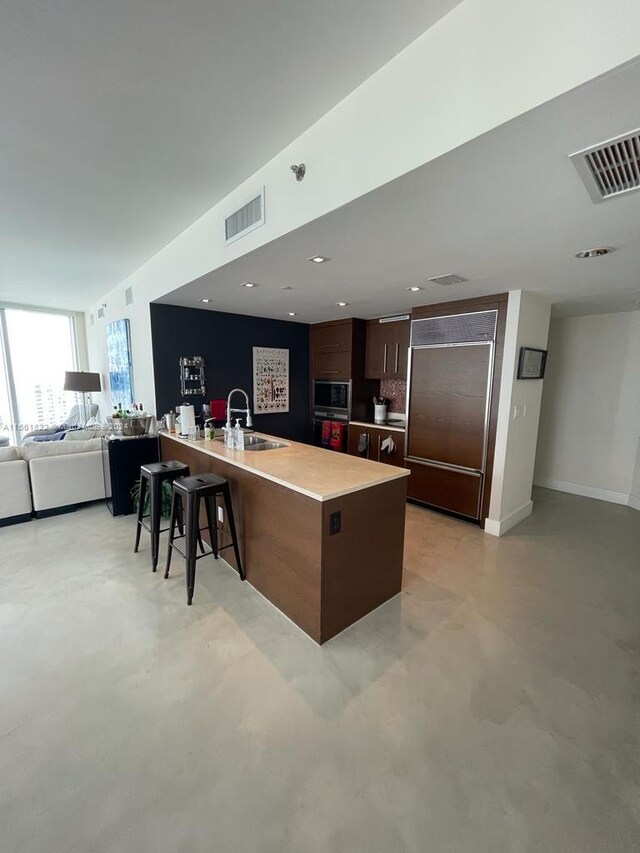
{"x": 332, "y": 395}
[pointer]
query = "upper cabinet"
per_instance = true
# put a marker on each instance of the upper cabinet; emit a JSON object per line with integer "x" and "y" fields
{"x": 332, "y": 337}
{"x": 386, "y": 348}
{"x": 336, "y": 349}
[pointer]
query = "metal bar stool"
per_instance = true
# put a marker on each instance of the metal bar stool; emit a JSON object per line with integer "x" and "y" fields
{"x": 155, "y": 474}
{"x": 188, "y": 491}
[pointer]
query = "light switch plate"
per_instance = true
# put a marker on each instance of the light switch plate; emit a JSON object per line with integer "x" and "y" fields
{"x": 221, "y": 514}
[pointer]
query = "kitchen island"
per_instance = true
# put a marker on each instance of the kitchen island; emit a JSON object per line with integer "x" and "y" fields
{"x": 321, "y": 533}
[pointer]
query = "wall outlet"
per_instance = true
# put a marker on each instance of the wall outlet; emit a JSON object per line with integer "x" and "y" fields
{"x": 519, "y": 411}
{"x": 221, "y": 514}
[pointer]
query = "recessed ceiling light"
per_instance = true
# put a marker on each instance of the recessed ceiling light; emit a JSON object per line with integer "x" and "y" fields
{"x": 415, "y": 289}
{"x": 595, "y": 253}
{"x": 318, "y": 259}
{"x": 342, "y": 304}
{"x": 248, "y": 284}
{"x": 286, "y": 287}
{"x": 291, "y": 313}
{"x": 204, "y": 300}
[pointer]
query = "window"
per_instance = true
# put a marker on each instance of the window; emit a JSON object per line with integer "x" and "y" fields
{"x": 5, "y": 403}
{"x": 39, "y": 347}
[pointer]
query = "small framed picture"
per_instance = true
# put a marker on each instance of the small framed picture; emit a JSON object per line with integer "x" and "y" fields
{"x": 532, "y": 363}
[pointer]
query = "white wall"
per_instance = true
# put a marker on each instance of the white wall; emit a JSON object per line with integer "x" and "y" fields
{"x": 518, "y": 415}
{"x": 138, "y": 314}
{"x": 634, "y": 497}
{"x": 590, "y": 428}
{"x": 483, "y": 64}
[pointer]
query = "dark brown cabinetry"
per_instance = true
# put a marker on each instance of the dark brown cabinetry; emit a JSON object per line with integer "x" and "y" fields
{"x": 358, "y": 441}
{"x": 367, "y": 442}
{"x": 386, "y": 349}
{"x": 337, "y": 355}
{"x": 334, "y": 349}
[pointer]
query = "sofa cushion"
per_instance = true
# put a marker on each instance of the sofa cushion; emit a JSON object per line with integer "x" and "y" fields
{"x": 9, "y": 454}
{"x": 15, "y": 495}
{"x": 84, "y": 434}
{"x": 59, "y": 448}
{"x": 65, "y": 480}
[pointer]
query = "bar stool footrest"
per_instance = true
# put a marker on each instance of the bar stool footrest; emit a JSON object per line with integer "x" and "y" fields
{"x": 184, "y": 556}
{"x": 148, "y": 529}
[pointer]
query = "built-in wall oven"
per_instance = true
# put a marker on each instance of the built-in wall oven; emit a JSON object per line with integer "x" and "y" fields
{"x": 332, "y": 395}
{"x": 331, "y": 414}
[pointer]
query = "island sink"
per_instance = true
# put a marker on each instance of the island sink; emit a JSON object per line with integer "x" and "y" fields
{"x": 263, "y": 445}
{"x": 256, "y": 442}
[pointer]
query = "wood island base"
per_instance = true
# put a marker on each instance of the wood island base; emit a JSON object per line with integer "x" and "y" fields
{"x": 325, "y": 563}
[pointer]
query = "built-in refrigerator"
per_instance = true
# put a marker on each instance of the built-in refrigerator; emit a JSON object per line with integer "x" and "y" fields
{"x": 449, "y": 391}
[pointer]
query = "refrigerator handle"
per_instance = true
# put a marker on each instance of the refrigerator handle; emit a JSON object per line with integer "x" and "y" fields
{"x": 407, "y": 400}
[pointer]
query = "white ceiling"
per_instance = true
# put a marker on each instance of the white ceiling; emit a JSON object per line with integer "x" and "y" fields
{"x": 123, "y": 122}
{"x": 506, "y": 211}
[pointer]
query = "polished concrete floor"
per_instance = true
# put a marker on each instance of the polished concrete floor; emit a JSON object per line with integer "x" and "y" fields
{"x": 493, "y": 706}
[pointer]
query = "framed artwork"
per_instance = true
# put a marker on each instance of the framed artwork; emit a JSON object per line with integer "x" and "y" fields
{"x": 532, "y": 363}
{"x": 119, "y": 358}
{"x": 270, "y": 380}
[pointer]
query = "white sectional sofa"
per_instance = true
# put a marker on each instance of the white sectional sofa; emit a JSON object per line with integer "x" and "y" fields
{"x": 15, "y": 494}
{"x": 46, "y": 476}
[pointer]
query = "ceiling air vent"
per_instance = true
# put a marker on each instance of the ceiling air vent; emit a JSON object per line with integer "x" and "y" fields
{"x": 450, "y": 278}
{"x": 246, "y": 219}
{"x": 610, "y": 168}
{"x": 477, "y": 326}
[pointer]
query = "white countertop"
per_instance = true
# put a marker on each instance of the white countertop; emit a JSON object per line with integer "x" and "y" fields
{"x": 395, "y": 427}
{"x": 313, "y": 471}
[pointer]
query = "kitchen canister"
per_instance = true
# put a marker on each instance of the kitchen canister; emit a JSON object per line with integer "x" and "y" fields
{"x": 380, "y": 413}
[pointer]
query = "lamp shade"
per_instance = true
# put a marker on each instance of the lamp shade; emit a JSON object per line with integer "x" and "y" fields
{"x": 80, "y": 381}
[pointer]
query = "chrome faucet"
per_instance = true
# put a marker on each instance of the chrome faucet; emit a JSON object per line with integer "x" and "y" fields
{"x": 246, "y": 411}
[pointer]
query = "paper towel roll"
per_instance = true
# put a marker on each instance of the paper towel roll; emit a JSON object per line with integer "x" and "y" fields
{"x": 187, "y": 419}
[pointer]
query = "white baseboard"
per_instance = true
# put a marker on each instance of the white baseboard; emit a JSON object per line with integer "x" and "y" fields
{"x": 499, "y": 528}
{"x": 586, "y": 491}
{"x": 634, "y": 501}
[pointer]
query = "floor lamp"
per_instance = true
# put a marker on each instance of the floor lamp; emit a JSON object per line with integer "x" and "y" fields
{"x": 83, "y": 383}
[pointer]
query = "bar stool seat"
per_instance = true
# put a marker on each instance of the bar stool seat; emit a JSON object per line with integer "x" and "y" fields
{"x": 153, "y": 475}
{"x": 187, "y": 492}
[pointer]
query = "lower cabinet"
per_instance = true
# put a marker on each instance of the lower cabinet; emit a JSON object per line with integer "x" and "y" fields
{"x": 377, "y": 444}
{"x": 442, "y": 488}
{"x": 358, "y": 441}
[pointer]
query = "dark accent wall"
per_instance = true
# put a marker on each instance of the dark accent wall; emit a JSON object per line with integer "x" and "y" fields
{"x": 226, "y": 342}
